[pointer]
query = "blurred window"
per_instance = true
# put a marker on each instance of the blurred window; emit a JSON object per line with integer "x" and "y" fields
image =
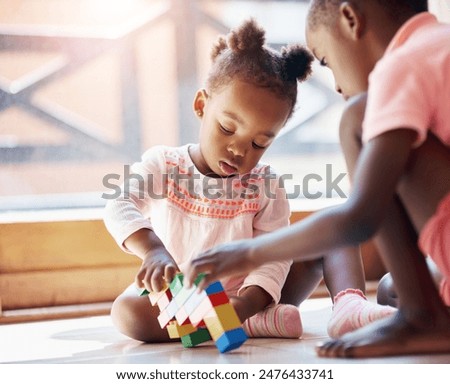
{"x": 86, "y": 86}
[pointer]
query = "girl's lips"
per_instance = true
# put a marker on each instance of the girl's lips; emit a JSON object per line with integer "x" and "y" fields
{"x": 227, "y": 168}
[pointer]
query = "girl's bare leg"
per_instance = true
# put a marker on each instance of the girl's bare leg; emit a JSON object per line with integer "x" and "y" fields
{"x": 302, "y": 280}
{"x": 344, "y": 269}
{"x": 422, "y": 324}
{"x": 386, "y": 293}
{"x": 135, "y": 317}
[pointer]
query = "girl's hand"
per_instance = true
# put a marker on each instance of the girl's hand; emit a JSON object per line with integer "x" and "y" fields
{"x": 157, "y": 270}
{"x": 233, "y": 258}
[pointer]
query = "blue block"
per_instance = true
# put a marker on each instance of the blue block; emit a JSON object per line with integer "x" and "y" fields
{"x": 215, "y": 287}
{"x": 231, "y": 340}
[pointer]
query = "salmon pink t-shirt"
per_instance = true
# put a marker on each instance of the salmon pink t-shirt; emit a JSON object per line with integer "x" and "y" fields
{"x": 410, "y": 86}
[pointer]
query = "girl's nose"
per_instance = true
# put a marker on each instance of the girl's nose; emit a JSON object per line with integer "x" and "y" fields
{"x": 236, "y": 149}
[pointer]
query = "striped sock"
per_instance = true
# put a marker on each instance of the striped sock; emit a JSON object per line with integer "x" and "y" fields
{"x": 352, "y": 310}
{"x": 281, "y": 320}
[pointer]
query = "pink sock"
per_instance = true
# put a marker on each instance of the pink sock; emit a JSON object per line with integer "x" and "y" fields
{"x": 352, "y": 310}
{"x": 281, "y": 320}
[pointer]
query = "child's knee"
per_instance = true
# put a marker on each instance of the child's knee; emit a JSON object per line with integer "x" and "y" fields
{"x": 386, "y": 294}
{"x": 134, "y": 317}
{"x": 123, "y": 314}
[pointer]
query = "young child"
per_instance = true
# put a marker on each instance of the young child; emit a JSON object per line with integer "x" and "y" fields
{"x": 182, "y": 201}
{"x": 399, "y": 164}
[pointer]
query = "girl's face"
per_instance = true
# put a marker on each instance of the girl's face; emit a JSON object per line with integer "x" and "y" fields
{"x": 344, "y": 56}
{"x": 238, "y": 123}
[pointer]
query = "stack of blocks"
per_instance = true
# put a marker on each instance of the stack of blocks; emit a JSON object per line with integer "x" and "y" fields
{"x": 199, "y": 316}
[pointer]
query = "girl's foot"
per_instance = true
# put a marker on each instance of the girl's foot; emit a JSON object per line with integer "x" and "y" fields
{"x": 352, "y": 310}
{"x": 392, "y": 336}
{"x": 282, "y": 320}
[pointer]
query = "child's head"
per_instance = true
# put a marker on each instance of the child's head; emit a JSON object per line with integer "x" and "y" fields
{"x": 250, "y": 93}
{"x": 325, "y": 12}
{"x": 350, "y": 36}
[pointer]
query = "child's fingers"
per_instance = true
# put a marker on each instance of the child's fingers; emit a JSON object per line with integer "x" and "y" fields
{"x": 170, "y": 271}
{"x": 156, "y": 280}
{"x": 139, "y": 279}
{"x": 207, "y": 280}
{"x": 202, "y": 265}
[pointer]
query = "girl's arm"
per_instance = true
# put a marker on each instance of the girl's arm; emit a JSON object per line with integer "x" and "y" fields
{"x": 380, "y": 166}
{"x": 128, "y": 219}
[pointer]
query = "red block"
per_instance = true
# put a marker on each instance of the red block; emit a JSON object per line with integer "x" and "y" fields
{"x": 217, "y": 299}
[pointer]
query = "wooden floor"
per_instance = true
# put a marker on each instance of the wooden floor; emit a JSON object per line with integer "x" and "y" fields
{"x": 94, "y": 340}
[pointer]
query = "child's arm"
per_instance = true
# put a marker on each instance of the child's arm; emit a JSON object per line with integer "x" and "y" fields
{"x": 129, "y": 220}
{"x": 158, "y": 266}
{"x": 379, "y": 168}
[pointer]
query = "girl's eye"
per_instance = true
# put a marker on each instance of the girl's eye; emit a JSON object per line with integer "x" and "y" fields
{"x": 225, "y": 130}
{"x": 256, "y": 146}
{"x": 323, "y": 62}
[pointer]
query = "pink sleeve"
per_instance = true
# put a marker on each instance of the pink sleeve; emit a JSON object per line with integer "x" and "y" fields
{"x": 400, "y": 96}
{"x": 274, "y": 214}
{"x": 275, "y": 211}
{"x": 130, "y": 211}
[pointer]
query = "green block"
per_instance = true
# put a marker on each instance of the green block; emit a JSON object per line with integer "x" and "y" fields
{"x": 177, "y": 284}
{"x": 199, "y": 278}
{"x": 144, "y": 292}
{"x": 195, "y": 338}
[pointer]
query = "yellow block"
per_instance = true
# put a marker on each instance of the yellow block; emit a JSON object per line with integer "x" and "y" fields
{"x": 176, "y": 331}
{"x": 221, "y": 319}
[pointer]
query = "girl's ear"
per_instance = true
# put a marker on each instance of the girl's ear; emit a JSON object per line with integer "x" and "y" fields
{"x": 199, "y": 102}
{"x": 351, "y": 20}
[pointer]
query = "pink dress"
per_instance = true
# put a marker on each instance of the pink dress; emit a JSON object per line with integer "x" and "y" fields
{"x": 191, "y": 212}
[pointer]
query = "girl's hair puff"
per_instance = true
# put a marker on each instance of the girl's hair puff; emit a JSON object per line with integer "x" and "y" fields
{"x": 243, "y": 54}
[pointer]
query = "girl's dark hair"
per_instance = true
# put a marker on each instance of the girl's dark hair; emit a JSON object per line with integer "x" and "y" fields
{"x": 323, "y": 12}
{"x": 243, "y": 54}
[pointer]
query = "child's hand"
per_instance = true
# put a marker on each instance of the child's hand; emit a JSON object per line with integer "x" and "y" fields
{"x": 157, "y": 270}
{"x": 235, "y": 258}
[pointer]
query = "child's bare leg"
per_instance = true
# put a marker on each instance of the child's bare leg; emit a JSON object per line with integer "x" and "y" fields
{"x": 386, "y": 293}
{"x": 344, "y": 269}
{"x": 135, "y": 317}
{"x": 302, "y": 280}
{"x": 281, "y": 320}
{"x": 422, "y": 324}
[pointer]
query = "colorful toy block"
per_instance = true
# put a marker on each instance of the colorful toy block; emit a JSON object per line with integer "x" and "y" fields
{"x": 199, "y": 316}
{"x": 176, "y": 331}
{"x": 195, "y": 338}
